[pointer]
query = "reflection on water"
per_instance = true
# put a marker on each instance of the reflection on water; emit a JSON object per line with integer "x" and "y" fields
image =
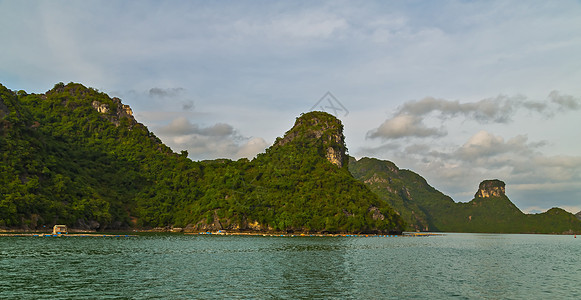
{"x": 176, "y": 266}
{"x": 315, "y": 267}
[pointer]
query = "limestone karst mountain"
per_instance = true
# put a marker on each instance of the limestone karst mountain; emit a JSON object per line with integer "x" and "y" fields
{"x": 309, "y": 165}
{"x": 320, "y": 130}
{"x": 491, "y": 188}
{"x": 78, "y": 157}
{"x": 426, "y": 209}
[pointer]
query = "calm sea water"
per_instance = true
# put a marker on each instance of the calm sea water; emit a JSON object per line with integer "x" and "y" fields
{"x": 470, "y": 266}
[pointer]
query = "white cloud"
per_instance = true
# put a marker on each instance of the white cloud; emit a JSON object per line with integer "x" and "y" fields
{"x": 216, "y": 141}
{"x": 481, "y": 144}
{"x": 404, "y": 126}
{"x": 252, "y": 147}
{"x": 499, "y": 109}
{"x": 484, "y": 144}
{"x": 182, "y": 126}
{"x": 408, "y": 120}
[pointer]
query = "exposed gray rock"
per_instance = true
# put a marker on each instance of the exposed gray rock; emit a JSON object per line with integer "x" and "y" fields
{"x": 491, "y": 188}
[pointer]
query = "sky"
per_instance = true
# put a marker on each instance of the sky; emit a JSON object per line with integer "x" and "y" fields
{"x": 456, "y": 91}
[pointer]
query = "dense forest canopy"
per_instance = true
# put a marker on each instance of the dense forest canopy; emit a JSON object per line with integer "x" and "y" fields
{"x": 78, "y": 157}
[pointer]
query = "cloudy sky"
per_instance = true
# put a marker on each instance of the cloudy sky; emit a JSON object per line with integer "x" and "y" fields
{"x": 457, "y": 91}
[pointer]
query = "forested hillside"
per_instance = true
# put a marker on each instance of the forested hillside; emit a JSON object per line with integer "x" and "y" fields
{"x": 425, "y": 208}
{"x": 63, "y": 161}
{"x": 76, "y": 156}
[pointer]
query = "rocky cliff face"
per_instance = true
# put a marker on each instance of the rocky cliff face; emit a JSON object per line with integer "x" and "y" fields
{"x": 490, "y": 188}
{"x": 324, "y": 130}
{"x": 116, "y": 113}
{"x": 578, "y": 215}
{"x": 74, "y": 95}
{"x": 336, "y": 157}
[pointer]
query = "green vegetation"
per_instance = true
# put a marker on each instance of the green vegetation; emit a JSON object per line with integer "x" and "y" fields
{"x": 64, "y": 162}
{"x": 408, "y": 193}
{"x": 296, "y": 168}
{"x": 426, "y": 209}
{"x": 76, "y": 156}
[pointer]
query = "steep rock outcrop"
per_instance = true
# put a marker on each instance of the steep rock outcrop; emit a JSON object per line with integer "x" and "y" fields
{"x": 578, "y": 215}
{"x": 490, "y": 188}
{"x": 322, "y": 129}
{"x": 117, "y": 113}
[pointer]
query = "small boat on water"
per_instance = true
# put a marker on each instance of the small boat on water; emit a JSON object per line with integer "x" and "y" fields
{"x": 60, "y": 229}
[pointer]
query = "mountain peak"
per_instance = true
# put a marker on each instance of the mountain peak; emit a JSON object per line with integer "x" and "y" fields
{"x": 74, "y": 95}
{"x": 321, "y": 130}
{"x": 490, "y": 188}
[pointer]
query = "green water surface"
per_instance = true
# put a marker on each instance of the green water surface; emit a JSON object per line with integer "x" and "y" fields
{"x": 164, "y": 266}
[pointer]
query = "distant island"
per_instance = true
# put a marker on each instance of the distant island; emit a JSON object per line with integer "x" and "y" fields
{"x": 78, "y": 157}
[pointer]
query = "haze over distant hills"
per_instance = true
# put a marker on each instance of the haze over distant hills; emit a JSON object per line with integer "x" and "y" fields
{"x": 76, "y": 156}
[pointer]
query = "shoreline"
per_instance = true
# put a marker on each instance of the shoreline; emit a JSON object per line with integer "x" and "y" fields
{"x": 64, "y": 235}
{"x": 275, "y": 234}
{"x": 137, "y": 231}
{"x": 213, "y": 233}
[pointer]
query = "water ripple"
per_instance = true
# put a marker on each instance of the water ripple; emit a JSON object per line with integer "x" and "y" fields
{"x": 463, "y": 266}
